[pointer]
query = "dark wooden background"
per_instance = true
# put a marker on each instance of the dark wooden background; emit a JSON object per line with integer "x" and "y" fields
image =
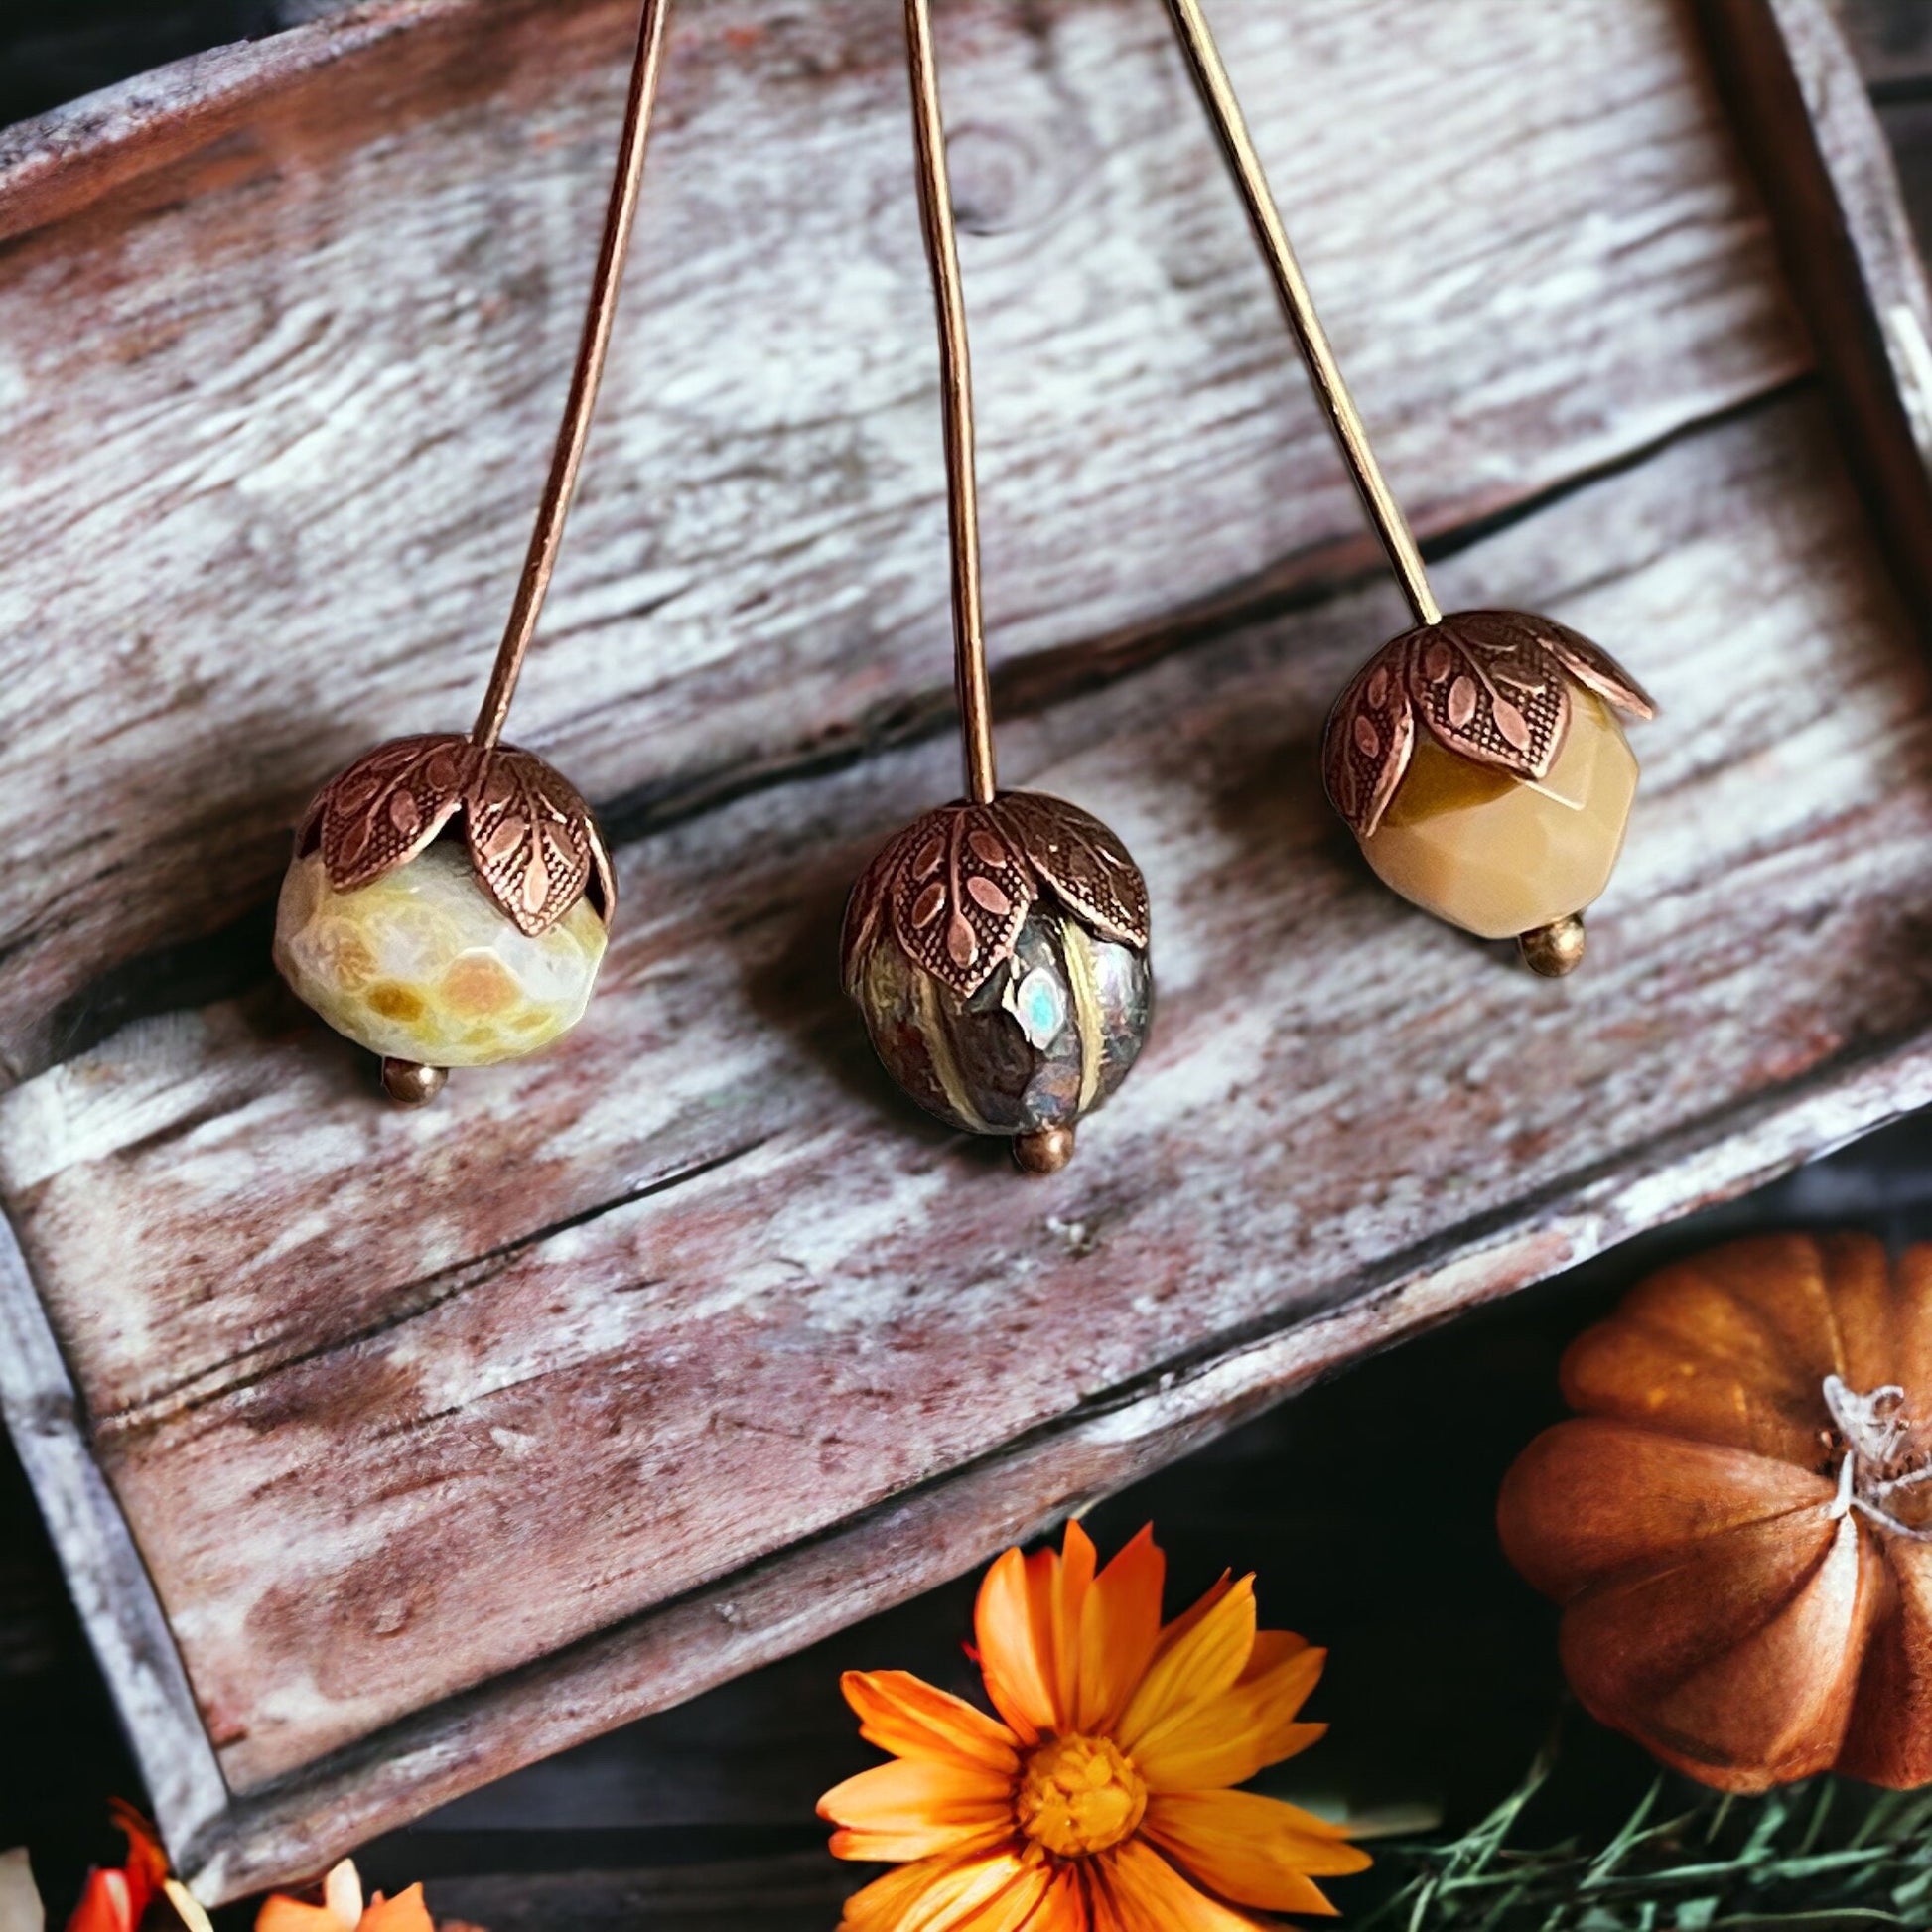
{"x": 1364, "y": 1505}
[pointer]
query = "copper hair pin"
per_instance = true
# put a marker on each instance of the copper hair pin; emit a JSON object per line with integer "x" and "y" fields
{"x": 998, "y": 945}
{"x": 428, "y": 957}
{"x": 1504, "y": 812}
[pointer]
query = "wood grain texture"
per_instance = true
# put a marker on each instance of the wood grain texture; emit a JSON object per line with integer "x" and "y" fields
{"x": 1892, "y": 42}
{"x": 1828, "y": 179}
{"x": 447, "y": 1440}
{"x": 763, "y": 1303}
{"x": 283, "y": 336}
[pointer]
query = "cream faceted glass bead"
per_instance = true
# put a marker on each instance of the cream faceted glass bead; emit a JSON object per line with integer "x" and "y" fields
{"x": 1501, "y": 856}
{"x": 420, "y": 965}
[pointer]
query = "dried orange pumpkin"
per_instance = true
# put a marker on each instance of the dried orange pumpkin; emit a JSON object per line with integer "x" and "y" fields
{"x": 1738, "y": 1524}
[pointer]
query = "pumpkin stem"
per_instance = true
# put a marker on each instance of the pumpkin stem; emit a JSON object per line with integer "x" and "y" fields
{"x": 1882, "y": 1445}
{"x": 1843, "y": 1501}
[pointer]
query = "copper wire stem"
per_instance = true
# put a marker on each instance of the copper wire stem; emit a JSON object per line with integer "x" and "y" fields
{"x": 957, "y": 387}
{"x": 1224, "y": 110}
{"x": 547, "y": 538}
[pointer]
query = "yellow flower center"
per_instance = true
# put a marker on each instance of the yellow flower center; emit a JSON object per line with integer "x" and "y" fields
{"x": 1080, "y": 1795}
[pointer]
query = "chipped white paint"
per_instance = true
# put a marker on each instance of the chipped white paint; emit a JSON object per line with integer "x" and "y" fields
{"x": 1913, "y": 353}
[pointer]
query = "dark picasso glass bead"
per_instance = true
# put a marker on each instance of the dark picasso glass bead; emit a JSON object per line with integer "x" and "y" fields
{"x": 1042, "y": 1042}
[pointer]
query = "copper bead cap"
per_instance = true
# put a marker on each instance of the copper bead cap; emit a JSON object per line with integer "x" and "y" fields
{"x": 1481, "y": 765}
{"x": 999, "y": 955}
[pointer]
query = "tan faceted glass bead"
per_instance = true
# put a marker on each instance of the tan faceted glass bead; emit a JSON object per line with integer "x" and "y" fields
{"x": 1500, "y": 856}
{"x": 421, "y": 966}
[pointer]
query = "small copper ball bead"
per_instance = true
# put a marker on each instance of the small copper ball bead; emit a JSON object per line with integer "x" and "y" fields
{"x": 409, "y": 1084}
{"x": 1554, "y": 949}
{"x": 1045, "y": 1151}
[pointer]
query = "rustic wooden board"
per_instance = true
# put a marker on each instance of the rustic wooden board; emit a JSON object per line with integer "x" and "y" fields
{"x": 789, "y": 1303}
{"x": 315, "y": 303}
{"x": 450, "y": 1438}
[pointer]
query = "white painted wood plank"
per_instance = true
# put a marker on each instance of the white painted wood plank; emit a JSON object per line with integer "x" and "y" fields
{"x": 695, "y": 1286}
{"x": 273, "y": 414}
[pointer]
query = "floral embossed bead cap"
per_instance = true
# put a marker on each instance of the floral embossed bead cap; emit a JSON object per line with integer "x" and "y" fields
{"x": 999, "y": 955}
{"x": 435, "y": 950}
{"x": 1480, "y": 762}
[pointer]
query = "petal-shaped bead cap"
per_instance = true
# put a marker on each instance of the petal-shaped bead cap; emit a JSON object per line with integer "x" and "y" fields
{"x": 999, "y": 955}
{"x": 438, "y": 950}
{"x": 1480, "y": 762}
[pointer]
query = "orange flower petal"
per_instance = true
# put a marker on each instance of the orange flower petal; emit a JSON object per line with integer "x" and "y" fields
{"x": 914, "y": 1807}
{"x": 283, "y": 1914}
{"x": 188, "y": 1908}
{"x": 1255, "y": 1851}
{"x": 405, "y": 1912}
{"x": 903, "y": 1714}
{"x": 1205, "y": 1662}
{"x": 1119, "y": 1628}
{"x": 1042, "y": 1598}
{"x": 1274, "y": 1698}
{"x": 881, "y": 1905}
{"x": 951, "y": 1894}
{"x": 1226, "y": 1739}
{"x": 1273, "y": 1648}
{"x": 341, "y": 1893}
{"x": 147, "y": 1862}
{"x": 1173, "y": 1633}
{"x": 1148, "y": 1896}
{"x": 1010, "y": 1655}
{"x": 912, "y": 1842}
{"x": 106, "y": 1904}
{"x": 1065, "y": 1905}
{"x": 1073, "y": 1585}
{"x": 1015, "y": 1901}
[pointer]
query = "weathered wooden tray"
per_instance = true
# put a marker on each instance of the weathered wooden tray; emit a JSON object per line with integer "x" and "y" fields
{"x": 387, "y": 1452}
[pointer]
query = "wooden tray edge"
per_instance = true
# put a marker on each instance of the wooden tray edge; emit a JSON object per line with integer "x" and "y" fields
{"x": 1769, "y": 54}
{"x": 1820, "y": 160}
{"x": 105, "y": 1574}
{"x": 61, "y": 162}
{"x": 678, "y": 1650}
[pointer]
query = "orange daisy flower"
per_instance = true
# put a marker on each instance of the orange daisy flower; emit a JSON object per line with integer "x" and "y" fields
{"x": 342, "y": 1909}
{"x": 1102, "y": 1801}
{"x": 116, "y": 1899}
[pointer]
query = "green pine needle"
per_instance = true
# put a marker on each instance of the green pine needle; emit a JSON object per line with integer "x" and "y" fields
{"x": 1826, "y": 1855}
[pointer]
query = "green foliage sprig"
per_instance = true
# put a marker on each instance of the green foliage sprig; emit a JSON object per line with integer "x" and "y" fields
{"x": 1826, "y": 1856}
